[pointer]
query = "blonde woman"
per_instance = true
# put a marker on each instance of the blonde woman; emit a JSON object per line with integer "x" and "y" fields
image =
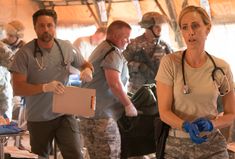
{"x": 188, "y": 85}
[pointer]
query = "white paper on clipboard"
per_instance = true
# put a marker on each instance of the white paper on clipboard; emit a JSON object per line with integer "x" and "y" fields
{"x": 75, "y": 100}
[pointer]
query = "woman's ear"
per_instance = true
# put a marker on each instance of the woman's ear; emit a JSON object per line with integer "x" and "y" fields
{"x": 208, "y": 28}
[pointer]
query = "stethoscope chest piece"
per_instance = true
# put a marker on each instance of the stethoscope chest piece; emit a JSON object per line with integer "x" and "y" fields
{"x": 186, "y": 89}
{"x": 218, "y": 76}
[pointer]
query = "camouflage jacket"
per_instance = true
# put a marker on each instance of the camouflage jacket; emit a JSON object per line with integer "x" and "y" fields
{"x": 143, "y": 60}
{"x": 5, "y": 79}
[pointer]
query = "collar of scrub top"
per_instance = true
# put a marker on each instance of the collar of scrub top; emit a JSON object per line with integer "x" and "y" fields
{"x": 37, "y": 50}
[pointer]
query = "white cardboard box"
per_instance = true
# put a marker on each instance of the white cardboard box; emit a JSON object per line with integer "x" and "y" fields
{"x": 77, "y": 101}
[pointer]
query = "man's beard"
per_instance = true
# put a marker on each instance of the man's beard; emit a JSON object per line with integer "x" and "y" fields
{"x": 45, "y": 37}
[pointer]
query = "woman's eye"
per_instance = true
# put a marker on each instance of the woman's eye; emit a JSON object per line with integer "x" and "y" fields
{"x": 184, "y": 28}
{"x": 195, "y": 26}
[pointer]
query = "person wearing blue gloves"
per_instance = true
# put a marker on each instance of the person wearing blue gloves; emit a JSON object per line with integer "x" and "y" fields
{"x": 188, "y": 85}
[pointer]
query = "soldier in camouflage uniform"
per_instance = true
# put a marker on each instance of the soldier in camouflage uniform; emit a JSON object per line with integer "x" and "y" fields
{"x": 144, "y": 52}
{"x": 14, "y": 33}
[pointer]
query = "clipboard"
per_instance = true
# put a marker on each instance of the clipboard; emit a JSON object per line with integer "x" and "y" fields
{"x": 76, "y": 101}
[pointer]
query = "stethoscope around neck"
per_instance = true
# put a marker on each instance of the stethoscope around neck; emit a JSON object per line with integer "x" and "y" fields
{"x": 186, "y": 89}
{"x": 41, "y": 64}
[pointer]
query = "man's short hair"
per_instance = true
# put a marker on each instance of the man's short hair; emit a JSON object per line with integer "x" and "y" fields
{"x": 116, "y": 25}
{"x": 115, "y": 28}
{"x": 44, "y": 12}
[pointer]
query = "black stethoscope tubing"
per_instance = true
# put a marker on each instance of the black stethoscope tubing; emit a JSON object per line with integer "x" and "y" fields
{"x": 216, "y": 68}
{"x": 38, "y": 50}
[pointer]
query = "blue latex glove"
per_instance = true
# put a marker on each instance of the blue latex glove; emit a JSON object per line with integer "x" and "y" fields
{"x": 193, "y": 131}
{"x": 204, "y": 124}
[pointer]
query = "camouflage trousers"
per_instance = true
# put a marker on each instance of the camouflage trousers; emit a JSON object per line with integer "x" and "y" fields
{"x": 101, "y": 138}
{"x": 184, "y": 148}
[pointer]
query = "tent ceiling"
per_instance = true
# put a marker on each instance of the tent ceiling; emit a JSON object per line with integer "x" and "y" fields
{"x": 83, "y": 12}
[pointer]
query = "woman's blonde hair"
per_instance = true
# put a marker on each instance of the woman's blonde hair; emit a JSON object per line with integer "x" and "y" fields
{"x": 205, "y": 17}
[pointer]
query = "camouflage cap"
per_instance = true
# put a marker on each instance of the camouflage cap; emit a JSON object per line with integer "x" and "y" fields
{"x": 150, "y": 19}
{"x": 15, "y": 28}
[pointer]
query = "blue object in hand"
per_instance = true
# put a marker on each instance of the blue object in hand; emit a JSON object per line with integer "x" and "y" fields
{"x": 193, "y": 131}
{"x": 204, "y": 124}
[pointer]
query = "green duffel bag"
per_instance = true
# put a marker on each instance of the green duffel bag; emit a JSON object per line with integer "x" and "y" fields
{"x": 137, "y": 133}
{"x": 145, "y": 100}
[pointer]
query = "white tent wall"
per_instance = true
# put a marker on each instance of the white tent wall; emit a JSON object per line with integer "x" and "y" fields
{"x": 220, "y": 43}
